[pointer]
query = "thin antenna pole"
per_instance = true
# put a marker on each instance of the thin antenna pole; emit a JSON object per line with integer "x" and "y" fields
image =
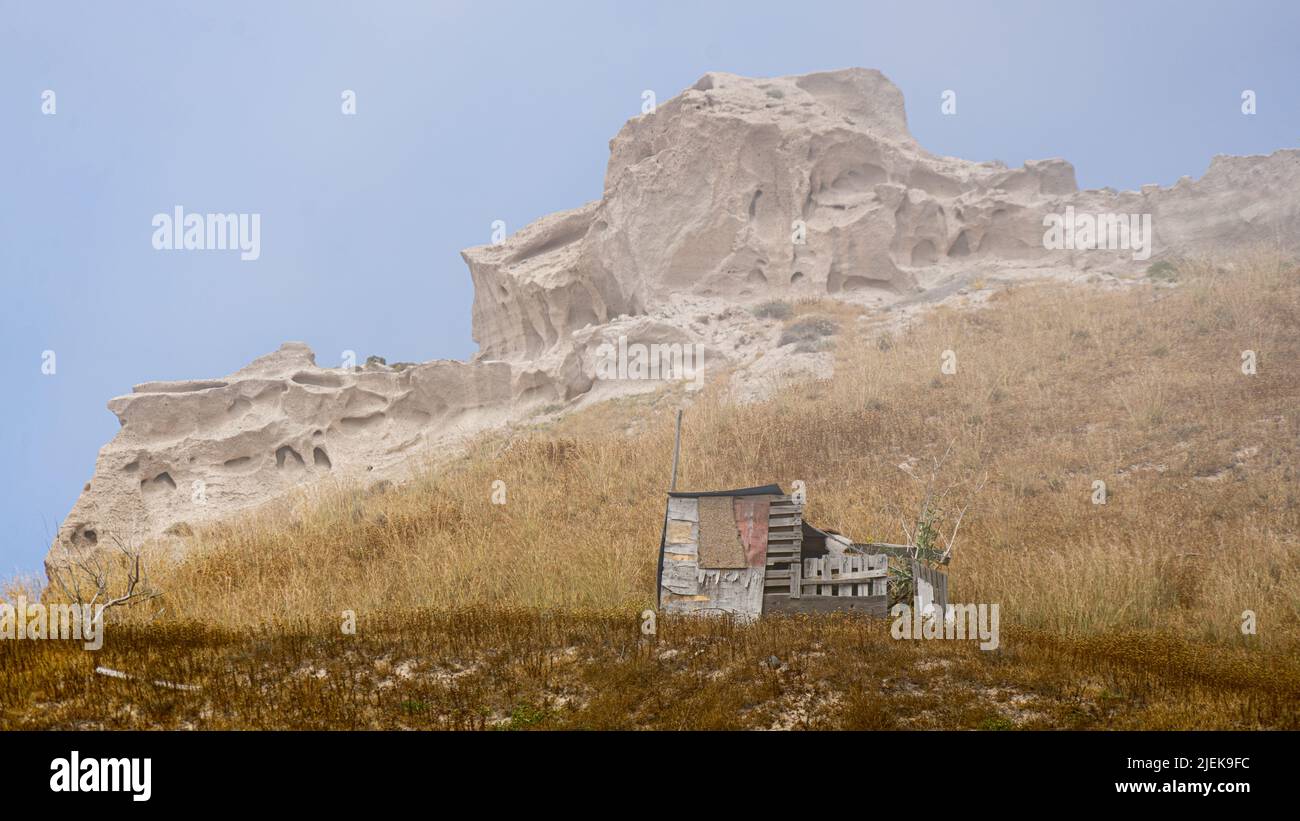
{"x": 677, "y": 450}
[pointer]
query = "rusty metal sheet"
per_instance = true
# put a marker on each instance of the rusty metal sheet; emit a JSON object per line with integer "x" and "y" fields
{"x": 751, "y": 521}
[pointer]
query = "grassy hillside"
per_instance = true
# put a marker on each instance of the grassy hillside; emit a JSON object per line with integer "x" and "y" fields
{"x": 1055, "y": 388}
{"x": 1122, "y": 614}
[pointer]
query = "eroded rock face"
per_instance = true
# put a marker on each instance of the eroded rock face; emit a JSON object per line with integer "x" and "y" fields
{"x": 707, "y": 194}
{"x": 735, "y": 191}
{"x": 703, "y": 196}
{"x": 193, "y": 451}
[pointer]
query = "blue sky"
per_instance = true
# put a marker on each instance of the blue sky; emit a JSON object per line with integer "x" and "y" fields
{"x": 468, "y": 113}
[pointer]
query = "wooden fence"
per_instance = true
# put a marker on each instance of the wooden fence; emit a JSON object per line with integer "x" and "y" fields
{"x": 929, "y": 586}
{"x": 841, "y": 576}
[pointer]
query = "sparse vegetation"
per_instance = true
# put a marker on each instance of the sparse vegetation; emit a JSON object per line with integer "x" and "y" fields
{"x": 810, "y": 332}
{"x": 509, "y": 669}
{"x": 773, "y": 309}
{"x": 1124, "y": 614}
{"x": 1162, "y": 270}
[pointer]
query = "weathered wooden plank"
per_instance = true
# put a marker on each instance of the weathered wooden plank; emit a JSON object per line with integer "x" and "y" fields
{"x": 929, "y": 586}
{"x": 681, "y": 578}
{"x": 685, "y": 509}
{"x": 865, "y": 575}
{"x": 681, "y": 532}
{"x": 846, "y": 567}
{"x": 796, "y": 585}
{"x": 815, "y": 569}
{"x": 738, "y": 592}
{"x": 877, "y": 606}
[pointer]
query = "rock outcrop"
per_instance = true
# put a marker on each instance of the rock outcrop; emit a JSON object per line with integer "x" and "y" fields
{"x": 706, "y": 195}
{"x": 736, "y": 190}
{"x": 813, "y": 186}
{"x": 192, "y": 451}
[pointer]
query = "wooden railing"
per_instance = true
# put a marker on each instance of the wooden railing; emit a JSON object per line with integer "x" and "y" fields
{"x": 866, "y": 575}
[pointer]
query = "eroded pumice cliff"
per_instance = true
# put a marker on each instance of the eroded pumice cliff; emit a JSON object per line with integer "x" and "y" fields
{"x": 736, "y": 191}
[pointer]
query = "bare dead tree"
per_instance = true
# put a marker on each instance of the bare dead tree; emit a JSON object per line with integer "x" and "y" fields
{"x": 86, "y": 578}
{"x": 933, "y": 529}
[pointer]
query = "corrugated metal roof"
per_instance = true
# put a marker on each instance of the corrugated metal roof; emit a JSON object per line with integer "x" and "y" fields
{"x": 761, "y": 490}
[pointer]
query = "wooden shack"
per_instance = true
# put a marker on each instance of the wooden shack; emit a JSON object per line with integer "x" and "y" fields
{"x": 749, "y": 551}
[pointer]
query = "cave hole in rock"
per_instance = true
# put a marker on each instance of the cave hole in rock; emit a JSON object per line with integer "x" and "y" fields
{"x": 321, "y": 459}
{"x": 960, "y": 246}
{"x": 924, "y": 253}
{"x": 162, "y": 480}
{"x": 283, "y": 456}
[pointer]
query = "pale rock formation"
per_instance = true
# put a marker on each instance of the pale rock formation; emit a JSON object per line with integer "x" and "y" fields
{"x": 702, "y": 196}
{"x": 737, "y": 190}
{"x": 193, "y": 451}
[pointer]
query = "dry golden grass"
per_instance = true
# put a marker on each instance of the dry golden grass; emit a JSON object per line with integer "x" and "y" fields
{"x": 1056, "y": 387}
{"x": 515, "y": 669}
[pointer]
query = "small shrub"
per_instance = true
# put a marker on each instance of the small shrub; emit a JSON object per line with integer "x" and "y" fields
{"x": 526, "y": 715}
{"x": 1162, "y": 270}
{"x": 813, "y": 345}
{"x": 808, "y": 329}
{"x": 773, "y": 309}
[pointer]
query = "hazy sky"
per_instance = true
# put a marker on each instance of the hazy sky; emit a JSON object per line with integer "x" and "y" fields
{"x": 468, "y": 113}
